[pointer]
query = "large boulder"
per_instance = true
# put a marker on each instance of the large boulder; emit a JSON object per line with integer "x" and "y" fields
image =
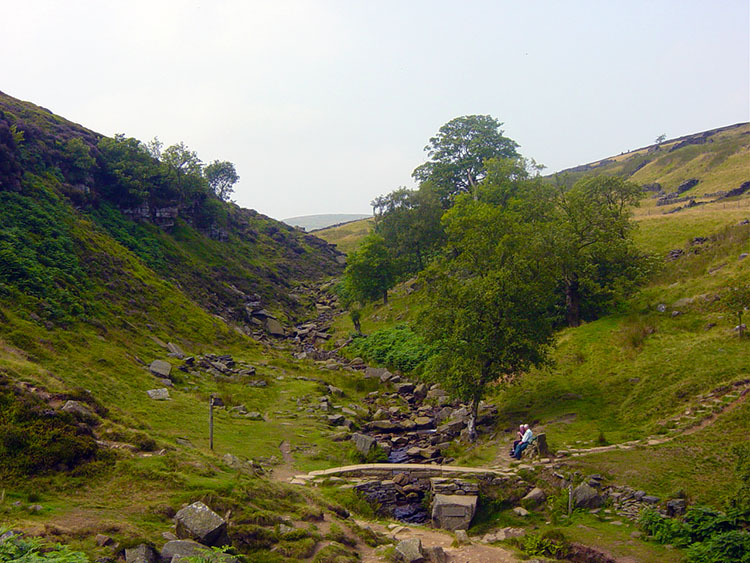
{"x": 198, "y": 522}
{"x": 453, "y": 512}
{"x": 161, "y": 394}
{"x": 141, "y": 554}
{"x": 363, "y": 443}
{"x": 274, "y": 327}
{"x": 410, "y": 551}
{"x": 160, "y": 368}
{"x": 534, "y": 497}
{"x": 586, "y": 496}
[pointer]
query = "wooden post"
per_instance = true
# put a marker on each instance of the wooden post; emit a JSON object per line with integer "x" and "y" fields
{"x": 570, "y": 499}
{"x": 211, "y": 422}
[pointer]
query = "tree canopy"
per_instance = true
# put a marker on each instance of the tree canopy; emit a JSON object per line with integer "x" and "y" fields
{"x": 409, "y": 222}
{"x": 221, "y": 176}
{"x": 457, "y": 155}
{"x": 488, "y": 307}
{"x": 370, "y": 272}
{"x": 589, "y": 236}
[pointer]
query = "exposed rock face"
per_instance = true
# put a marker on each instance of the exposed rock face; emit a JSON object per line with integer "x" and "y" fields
{"x": 200, "y": 523}
{"x": 453, "y": 512}
{"x": 160, "y": 368}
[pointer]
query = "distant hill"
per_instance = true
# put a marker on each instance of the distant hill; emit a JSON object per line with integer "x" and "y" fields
{"x": 313, "y": 222}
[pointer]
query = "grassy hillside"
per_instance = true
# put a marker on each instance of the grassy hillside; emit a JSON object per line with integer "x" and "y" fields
{"x": 89, "y": 298}
{"x": 630, "y": 374}
{"x": 347, "y": 237}
{"x": 719, "y": 159}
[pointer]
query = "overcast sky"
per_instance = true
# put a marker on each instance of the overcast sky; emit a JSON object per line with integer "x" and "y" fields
{"x": 323, "y": 105}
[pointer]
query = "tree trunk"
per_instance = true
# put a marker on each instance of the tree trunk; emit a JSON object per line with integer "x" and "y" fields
{"x": 471, "y": 425}
{"x": 357, "y": 326}
{"x": 572, "y": 301}
{"x": 385, "y": 297}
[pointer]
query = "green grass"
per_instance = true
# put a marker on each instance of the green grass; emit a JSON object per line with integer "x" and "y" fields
{"x": 347, "y": 236}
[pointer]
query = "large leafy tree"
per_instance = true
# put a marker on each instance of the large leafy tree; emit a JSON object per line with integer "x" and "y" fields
{"x": 589, "y": 234}
{"x": 370, "y": 271}
{"x": 488, "y": 301}
{"x": 409, "y": 222}
{"x": 457, "y": 155}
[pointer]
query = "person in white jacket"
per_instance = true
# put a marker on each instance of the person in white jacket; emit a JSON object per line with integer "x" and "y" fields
{"x": 525, "y": 441}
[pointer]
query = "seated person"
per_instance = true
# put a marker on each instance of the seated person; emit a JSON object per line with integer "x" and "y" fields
{"x": 524, "y": 443}
{"x": 519, "y": 437}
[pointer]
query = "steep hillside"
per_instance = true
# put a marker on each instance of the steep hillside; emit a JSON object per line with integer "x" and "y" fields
{"x": 706, "y": 165}
{"x": 76, "y": 182}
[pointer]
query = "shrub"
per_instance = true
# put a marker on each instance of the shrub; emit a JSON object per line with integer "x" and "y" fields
{"x": 398, "y": 348}
{"x": 551, "y": 543}
{"x": 31, "y": 550}
{"x": 729, "y": 546}
{"x": 35, "y": 439}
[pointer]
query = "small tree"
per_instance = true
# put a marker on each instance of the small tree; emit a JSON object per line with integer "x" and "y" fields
{"x": 660, "y": 139}
{"x": 736, "y": 300}
{"x": 221, "y": 176}
{"x": 370, "y": 272}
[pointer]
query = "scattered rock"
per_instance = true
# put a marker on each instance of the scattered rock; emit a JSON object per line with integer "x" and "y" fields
{"x": 177, "y": 550}
{"x": 175, "y": 351}
{"x": 462, "y": 537}
{"x": 103, "y": 541}
{"x": 676, "y": 507}
{"x": 142, "y": 554}
{"x": 78, "y": 409}
{"x": 161, "y": 394}
{"x": 435, "y": 554}
{"x": 521, "y": 511}
{"x": 534, "y": 497}
{"x": 410, "y": 551}
{"x": 198, "y": 522}
{"x": 160, "y": 368}
{"x": 363, "y": 443}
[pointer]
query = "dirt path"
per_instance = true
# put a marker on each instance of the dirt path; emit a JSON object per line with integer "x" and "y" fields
{"x": 474, "y": 553}
{"x": 285, "y": 471}
{"x": 685, "y": 427}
